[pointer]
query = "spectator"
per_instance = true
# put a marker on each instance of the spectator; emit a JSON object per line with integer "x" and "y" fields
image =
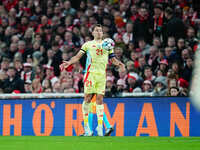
{"x": 163, "y": 66}
{"x": 130, "y": 65}
{"x": 121, "y": 85}
{"x": 110, "y": 89}
{"x": 119, "y": 53}
{"x": 13, "y": 82}
{"x": 78, "y": 80}
{"x": 28, "y": 86}
{"x": 176, "y": 69}
{"x": 3, "y": 77}
{"x": 134, "y": 59}
{"x": 161, "y": 55}
{"x": 28, "y": 37}
{"x": 57, "y": 10}
{"x": 132, "y": 79}
{"x": 57, "y": 87}
{"x": 141, "y": 65}
{"x": 68, "y": 10}
{"x": 23, "y": 25}
{"x": 107, "y": 21}
{"x": 128, "y": 35}
{"x": 187, "y": 70}
{"x": 144, "y": 46}
{"x": 152, "y": 57}
{"x": 46, "y": 84}
{"x": 169, "y": 54}
{"x": 158, "y": 20}
{"x": 18, "y": 65}
{"x": 48, "y": 59}
{"x": 4, "y": 64}
{"x": 27, "y": 74}
{"x": 118, "y": 37}
{"x": 37, "y": 58}
{"x": 171, "y": 42}
{"x": 160, "y": 86}
{"x": 29, "y": 59}
{"x": 109, "y": 73}
{"x": 183, "y": 86}
{"x": 180, "y": 46}
{"x": 12, "y": 50}
{"x": 134, "y": 13}
{"x": 44, "y": 22}
{"x": 147, "y": 86}
{"x": 22, "y": 48}
{"x": 50, "y": 74}
{"x": 148, "y": 74}
{"x": 37, "y": 86}
{"x": 159, "y": 73}
{"x": 39, "y": 72}
{"x": 157, "y": 42}
{"x": 67, "y": 84}
{"x": 174, "y": 55}
{"x": 174, "y": 26}
{"x": 191, "y": 40}
{"x": 57, "y": 58}
{"x": 123, "y": 75}
{"x": 68, "y": 40}
{"x": 174, "y": 91}
{"x": 143, "y": 26}
{"x": 184, "y": 56}
{"x": 128, "y": 50}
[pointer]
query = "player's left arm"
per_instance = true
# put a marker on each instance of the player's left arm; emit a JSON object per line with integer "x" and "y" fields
{"x": 116, "y": 62}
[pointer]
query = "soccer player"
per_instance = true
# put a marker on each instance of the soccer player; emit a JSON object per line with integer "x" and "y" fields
{"x": 95, "y": 77}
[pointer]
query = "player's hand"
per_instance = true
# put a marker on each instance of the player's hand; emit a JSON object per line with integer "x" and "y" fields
{"x": 64, "y": 65}
{"x": 122, "y": 67}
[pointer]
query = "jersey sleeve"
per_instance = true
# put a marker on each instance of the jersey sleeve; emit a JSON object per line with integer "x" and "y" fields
{"x": 111, "y": 54}
{"x": 84, "y": 47}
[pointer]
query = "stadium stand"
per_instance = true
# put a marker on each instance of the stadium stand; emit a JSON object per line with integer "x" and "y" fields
{"x": 156, "y": 39}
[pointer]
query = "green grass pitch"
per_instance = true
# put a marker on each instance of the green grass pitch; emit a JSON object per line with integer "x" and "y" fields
{"x": 98, "y": 143}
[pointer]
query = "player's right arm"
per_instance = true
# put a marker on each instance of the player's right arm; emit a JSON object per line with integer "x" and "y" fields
{"x": 76, "y": 58}
{"x": 73, "y": 60}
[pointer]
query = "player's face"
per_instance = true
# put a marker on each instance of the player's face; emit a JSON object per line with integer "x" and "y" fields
{"x": 97, "y": 33}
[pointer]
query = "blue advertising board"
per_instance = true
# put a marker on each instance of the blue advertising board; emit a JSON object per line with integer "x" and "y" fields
{"x": 147, "y": 116}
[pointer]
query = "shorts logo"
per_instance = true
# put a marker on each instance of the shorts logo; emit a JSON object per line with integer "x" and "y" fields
{"x": 88, "y": 83}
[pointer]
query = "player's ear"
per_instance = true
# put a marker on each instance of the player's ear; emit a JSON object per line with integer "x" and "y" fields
{"x": 92, "y": 33}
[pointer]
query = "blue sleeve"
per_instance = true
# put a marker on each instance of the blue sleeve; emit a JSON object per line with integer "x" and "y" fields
{"x": 111, "y": 55}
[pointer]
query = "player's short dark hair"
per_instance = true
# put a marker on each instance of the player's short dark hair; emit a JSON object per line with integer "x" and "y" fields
{"x": 96, "y": 25}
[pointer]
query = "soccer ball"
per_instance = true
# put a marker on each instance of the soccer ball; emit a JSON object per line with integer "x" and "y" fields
{"x": 108, "y": 44}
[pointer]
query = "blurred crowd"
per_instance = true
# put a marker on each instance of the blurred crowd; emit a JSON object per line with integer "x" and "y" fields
{"x": 155, "y": 39}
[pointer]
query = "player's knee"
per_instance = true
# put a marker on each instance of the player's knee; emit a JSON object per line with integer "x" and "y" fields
{"x": 87, "y": 99}
{"x": 99, "y": 100}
